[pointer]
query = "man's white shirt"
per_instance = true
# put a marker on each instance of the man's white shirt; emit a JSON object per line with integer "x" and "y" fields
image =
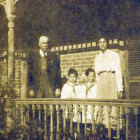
{"x": 42, "y": 53}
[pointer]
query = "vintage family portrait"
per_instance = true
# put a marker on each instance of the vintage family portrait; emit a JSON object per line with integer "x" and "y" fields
{"x": 69, "y": 69}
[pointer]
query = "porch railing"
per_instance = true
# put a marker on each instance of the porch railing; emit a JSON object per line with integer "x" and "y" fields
{"x": 53, "y": 119}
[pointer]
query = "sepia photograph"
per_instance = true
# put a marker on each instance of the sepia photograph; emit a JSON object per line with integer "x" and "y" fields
{"x": 69, "y": 69}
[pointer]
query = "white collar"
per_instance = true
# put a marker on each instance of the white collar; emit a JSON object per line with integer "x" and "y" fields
{"x": 42, "y": 53}
{"x": 93, "y": 83}
{"x": 106, "y": 52}
{"x": 72, "y": 84}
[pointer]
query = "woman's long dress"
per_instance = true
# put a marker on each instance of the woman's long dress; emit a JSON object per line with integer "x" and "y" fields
{"x": 109, "y": 81}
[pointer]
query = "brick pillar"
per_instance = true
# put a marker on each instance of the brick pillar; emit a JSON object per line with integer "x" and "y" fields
{"x": 17, "y": 75}
{"x": 24, "y": 77}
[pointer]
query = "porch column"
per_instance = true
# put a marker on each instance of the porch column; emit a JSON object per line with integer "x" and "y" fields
{"x": 9, "y": 6}
{"x": 11, "y": 52}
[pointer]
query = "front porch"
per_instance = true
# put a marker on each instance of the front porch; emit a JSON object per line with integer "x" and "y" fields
{"x": 34, "y": 118}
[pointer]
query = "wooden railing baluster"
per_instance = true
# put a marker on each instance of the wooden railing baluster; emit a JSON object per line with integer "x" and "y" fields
{"x": 39, "y": 113}
{"x": 17, "y": 119}
{"x": 24, "y": 115}
{"x": 127, "y": 122}
{"x": 33, "y": 110}
{"x": 122, "y": 120}
{"x": 100, "y": 119}
{"x": 65, "y": 112}
{"x": 118, "y": 122}
{"x": 22, "y": 120}
{"x": 21, "y": 110}
{"x": 93, "y": 119}
{"x": 71, "y": 120}
{"x": 109, "y": 122}
{"x": 85, "y": 115}
{"x": 33, "y": 115}
{"x": 100, "y": 113}
{"x": 51, "y": 122}
{"x": 136, "y": 122}
{"x": 58, "y": 119}
{"x": 17, "y": 114}
{"x": 27, "y": 119}
{"x": 77, "y": 118}
{"x": 27, "y": 112}
{"x": 45, "y": 122}
{"x": 40, "y": 131}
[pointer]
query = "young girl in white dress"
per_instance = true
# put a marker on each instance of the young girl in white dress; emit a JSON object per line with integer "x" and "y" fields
{"x": 70, "y": 90}
{"x": 89, "y": 89}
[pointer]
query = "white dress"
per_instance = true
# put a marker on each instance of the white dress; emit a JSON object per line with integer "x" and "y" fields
{"x": 108, "y": 74}
{"x": 109, "y": 80}
{"x": 89, "y": 91}
{"x": 71, "y": 91}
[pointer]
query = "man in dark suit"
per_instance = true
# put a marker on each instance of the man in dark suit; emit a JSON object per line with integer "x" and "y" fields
{"x": 44, "y": 71}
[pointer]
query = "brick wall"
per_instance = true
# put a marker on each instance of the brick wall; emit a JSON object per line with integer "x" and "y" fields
{"x": 20, "y": 72}
{"x": 79, "y": 61}
{"x": 20, "y": 75}
{"x": 17, "y": 78}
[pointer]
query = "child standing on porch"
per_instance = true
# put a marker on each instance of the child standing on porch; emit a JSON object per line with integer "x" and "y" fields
{"x": 90, "y": 92}
{"x": 71, "y": 90}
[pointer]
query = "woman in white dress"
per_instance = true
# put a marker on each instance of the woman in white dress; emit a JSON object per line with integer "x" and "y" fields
{"x": 108, "y": 74}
